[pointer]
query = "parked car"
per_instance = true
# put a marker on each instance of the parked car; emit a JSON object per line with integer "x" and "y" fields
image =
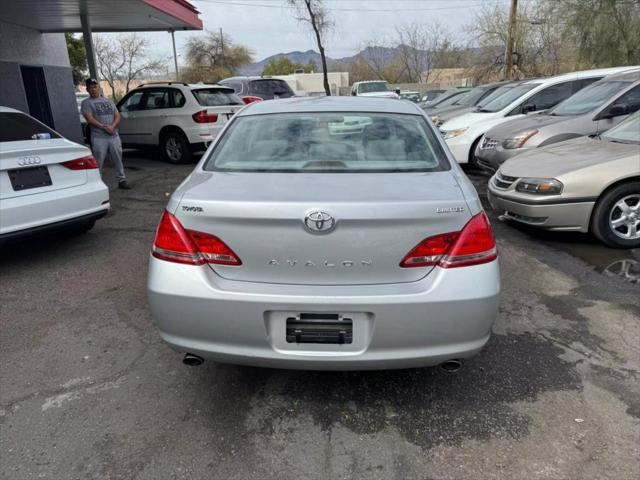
{"x": 444, "y": 99}
{"x": 465, "y": 103}
{"x": 373, "y": 88}
{"x": 588, "y": 184}
{"x": 431, "y": 95}
{"x": 46, "y": 181}
{"x": 411, "y": 96}
{"x": 593, "y": 110}
{"x": 293, "y": 245}
{"x": 463, "y": 133}
{"x": 255, "y": 89}
{"x": 179, "y": 118}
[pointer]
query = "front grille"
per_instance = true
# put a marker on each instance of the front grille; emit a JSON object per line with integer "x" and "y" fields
{"x": 488, "y": 144}
{"x": 503, "y": 181}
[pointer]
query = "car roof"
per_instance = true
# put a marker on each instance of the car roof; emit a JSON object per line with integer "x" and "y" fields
{"x": 331, "y": 104}
{"x": 370, "y": 81}
{"x": 9, "y": 110}
{"x": 249, "y": 78}
{"x": 578, "y": 75}
{"x": 631, "y": 76}
{"x": 180, "y": 84}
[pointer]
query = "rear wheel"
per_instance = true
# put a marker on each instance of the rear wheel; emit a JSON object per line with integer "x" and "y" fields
{"x": 616, "y": 218}
{"x": 175, "y": 147}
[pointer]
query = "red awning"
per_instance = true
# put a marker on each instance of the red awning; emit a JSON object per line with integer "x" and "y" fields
{"x": 50, "y": 16}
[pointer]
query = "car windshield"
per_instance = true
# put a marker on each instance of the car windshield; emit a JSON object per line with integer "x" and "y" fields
{"x": 505, "y": 98}
{"x": 471, "y": 98}
{"x": 373, "y": 87}
{"x": 216, "y": 97}
{"x": 18, "y": 127}
{"x": 626, "y": 132}
{"x": 588, "y": 99}
{"x": 328, "y": 142}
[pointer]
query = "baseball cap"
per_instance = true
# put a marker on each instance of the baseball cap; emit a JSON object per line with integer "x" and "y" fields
{"x": 90, "y": 81}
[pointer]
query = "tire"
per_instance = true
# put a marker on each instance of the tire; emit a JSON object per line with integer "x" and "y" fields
{"x": 175, "y": 147}
{"x": 610, "y": 210}
{"x": 473, "y": 161}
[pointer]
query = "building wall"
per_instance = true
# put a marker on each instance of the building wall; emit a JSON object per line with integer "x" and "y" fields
{"x": 313, "y": 83}
{"x": 24, "y": 46}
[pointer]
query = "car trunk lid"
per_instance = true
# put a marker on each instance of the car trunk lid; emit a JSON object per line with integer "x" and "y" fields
{"x": 378, "y": 219}
{"x": 47, "y": 157}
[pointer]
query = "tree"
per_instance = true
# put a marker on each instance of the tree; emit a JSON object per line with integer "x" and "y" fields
{"x": 124, "y": 59}
{"x": 77, "y": 58}
{"x": 213, "y": 58}
{"x": 284, "y": 66}
{"x": 317, "y": 16}
{"x": 606, "y": 32}
{"x": 419, "y": 49}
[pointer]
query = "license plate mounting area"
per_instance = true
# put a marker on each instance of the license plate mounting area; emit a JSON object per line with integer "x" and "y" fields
{"x": 323, "y": 328}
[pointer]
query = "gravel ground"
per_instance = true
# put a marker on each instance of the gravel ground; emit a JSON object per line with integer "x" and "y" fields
{"x": 89, "y": 391}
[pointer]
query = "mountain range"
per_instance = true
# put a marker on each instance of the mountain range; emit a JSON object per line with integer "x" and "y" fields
{"x": 256, "y": 68}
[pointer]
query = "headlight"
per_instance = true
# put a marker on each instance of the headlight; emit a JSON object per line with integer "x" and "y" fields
{"x": 454, "y": 133}
{"x": 519, "y": 140}
{"x": 539, "y": 186}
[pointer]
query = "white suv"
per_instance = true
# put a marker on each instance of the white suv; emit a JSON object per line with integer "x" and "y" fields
{"x": 179, "y": 118}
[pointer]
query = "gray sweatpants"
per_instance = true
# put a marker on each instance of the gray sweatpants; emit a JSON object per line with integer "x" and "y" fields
{"x": 112, "y": 147}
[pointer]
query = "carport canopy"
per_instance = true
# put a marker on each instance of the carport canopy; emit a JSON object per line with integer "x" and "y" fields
{"x": 87, "y": 16}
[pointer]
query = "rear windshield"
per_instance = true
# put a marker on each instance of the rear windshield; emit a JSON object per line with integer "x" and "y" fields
{"x": 588, "y": 99}
{"x": 216, "y": 97}
{"x": 270, "y": 87}
{"x": 18, "y": 126}
{"x": 372, "y": 87}
{"x": 328, "y": 142}
{"x": 508, "y": 96}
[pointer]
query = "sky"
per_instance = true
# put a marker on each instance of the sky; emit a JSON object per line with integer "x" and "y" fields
{"x": 268, "y": 27}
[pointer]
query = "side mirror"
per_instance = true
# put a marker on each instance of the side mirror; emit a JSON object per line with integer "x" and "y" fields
{"x": 398, "y": 91}
{"x": 353, "y": 93}
{"x": 528, "y": 108}
{"x": 614, "y": 111}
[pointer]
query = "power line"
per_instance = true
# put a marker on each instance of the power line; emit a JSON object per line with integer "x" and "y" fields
{"x": 475, "y": 3}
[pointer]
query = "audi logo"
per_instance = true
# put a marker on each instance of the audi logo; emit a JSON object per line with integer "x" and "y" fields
{"x": 319, "y": 222}
{"x": 25, "y": 161}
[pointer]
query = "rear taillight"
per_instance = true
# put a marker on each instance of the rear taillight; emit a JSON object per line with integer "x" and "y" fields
{"x": 205, "y": 117}
{"x": 84, "y": 163}
{"x": 473, "y": 245}
{"x": 174, "y": 243}
{"x": 250, "y": 99}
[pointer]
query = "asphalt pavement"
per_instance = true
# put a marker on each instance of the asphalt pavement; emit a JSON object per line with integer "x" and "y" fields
{"x": 89, "y": 391}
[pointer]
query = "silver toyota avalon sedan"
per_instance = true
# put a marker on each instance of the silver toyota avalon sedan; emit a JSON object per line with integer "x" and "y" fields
{"x": 333, "y": 233}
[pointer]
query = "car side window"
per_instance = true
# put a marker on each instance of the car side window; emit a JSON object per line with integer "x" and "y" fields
{"x": 631, "y": 99}
{"x": 545, "y": 99}
{"x": 178, "y": 98}
{"x": 585, "y": 82}
{"x": 155, "y": 99}
{"x": 237, "y": 86}
{"x": 132, "y": 102}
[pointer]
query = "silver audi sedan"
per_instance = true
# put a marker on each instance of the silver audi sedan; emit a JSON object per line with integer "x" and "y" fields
{"x": 332, "y": 233}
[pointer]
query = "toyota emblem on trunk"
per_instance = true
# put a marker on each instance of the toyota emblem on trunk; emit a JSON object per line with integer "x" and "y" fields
{"x": 319, "y": 222}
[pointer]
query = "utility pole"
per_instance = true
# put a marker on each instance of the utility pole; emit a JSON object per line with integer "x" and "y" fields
{"x": 175, "y": 56}
{"x": 511, "y": 38}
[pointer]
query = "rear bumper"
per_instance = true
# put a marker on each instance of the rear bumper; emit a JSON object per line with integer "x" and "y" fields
{"x": 446, "y": 315}
{"x": 202, "y": 134}
{"x": 564, "y": 216}
{"x": 39, "y": 211}
{"x": 52, "y": 227}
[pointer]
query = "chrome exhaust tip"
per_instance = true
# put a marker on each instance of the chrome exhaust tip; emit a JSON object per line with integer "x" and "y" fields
{"x": 192, "y": 360}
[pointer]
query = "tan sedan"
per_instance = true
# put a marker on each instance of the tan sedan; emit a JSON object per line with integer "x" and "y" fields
{"x": 590, "y": 184}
